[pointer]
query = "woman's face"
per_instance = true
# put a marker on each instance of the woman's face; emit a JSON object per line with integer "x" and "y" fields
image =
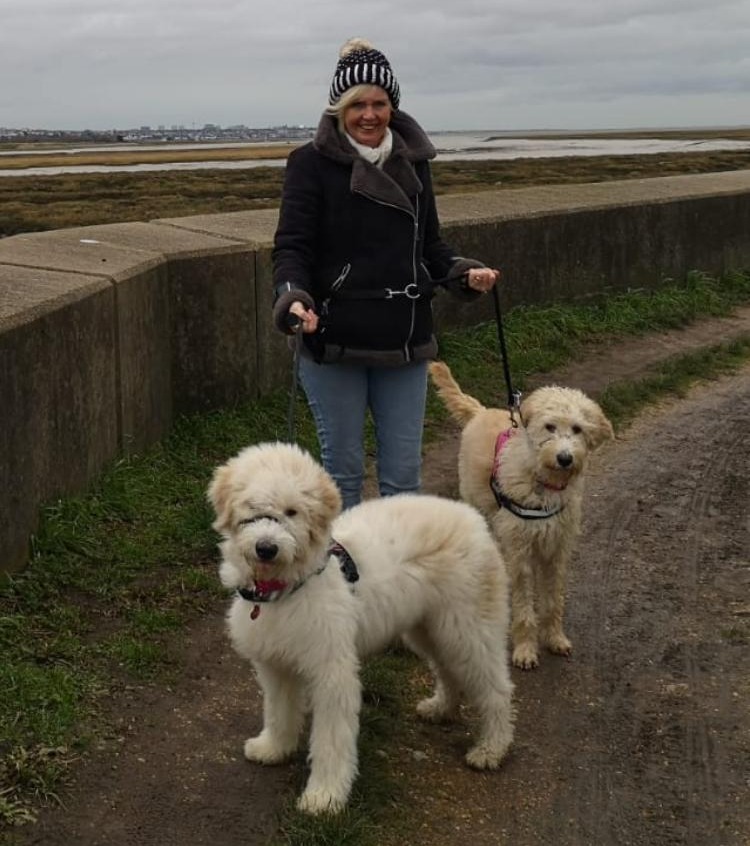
{"x": 367, "y": 118}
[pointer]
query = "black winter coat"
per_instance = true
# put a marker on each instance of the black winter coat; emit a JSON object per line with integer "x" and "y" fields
{"x": 362, "y": 246}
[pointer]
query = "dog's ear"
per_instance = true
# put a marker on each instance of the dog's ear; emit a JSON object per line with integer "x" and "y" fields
{"x": 598, "y": 428}
{"x": 220, "y": 496}
{"x": 529, "y": 408}
{"x": 327, "y": 506}
{"x": 331, "y": 497}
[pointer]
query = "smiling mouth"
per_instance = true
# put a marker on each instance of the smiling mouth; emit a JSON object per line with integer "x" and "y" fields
{"x": 557, "y": 472}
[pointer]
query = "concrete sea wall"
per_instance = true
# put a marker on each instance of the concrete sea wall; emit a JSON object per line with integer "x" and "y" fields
{"x": 108, "y": 332}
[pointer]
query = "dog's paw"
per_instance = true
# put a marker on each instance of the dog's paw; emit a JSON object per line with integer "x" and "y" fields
{"x": 320, "y": 802}
{"x": 482, "y": 757}
{"x": 559, "y": 644}
{"x": 261, "y": 750}
{"x": 525, "y": 656}
{"x": 435, "y": 710}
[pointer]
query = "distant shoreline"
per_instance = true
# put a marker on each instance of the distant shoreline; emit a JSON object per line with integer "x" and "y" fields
{"x": 451, "y": 145}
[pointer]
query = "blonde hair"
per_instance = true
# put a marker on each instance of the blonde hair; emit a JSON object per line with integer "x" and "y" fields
{"x": 351, "y": 95}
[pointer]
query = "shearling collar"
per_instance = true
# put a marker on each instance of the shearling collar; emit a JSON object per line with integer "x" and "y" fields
{"x": 397, "y": 181}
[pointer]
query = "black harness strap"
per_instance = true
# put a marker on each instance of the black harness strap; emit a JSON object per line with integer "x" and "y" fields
{"x": 516, "y": 508}
{"x": 346, "y": 562}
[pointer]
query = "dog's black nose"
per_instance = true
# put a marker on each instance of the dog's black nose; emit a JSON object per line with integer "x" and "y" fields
{"x": 266, "y": 551}
{"x": 564, "y": 459}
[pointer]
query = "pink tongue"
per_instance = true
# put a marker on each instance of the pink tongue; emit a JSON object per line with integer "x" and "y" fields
{"x": 269, "y": 586}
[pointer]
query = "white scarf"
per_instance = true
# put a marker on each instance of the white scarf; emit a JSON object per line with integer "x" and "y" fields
{"x": 374, "y": 155}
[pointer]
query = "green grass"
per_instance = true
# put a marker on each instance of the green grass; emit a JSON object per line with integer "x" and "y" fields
{"x": 117, "y": 573}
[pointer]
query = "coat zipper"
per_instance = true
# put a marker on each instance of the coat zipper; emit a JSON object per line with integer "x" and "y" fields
{"x": 339, "y": 281}
{"x": 407, "y": 354}
{"x": 415, "y": 216}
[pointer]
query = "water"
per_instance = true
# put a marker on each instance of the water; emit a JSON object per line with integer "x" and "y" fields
{"x": 495, "y": 145}
{"x": 450, "y": 146}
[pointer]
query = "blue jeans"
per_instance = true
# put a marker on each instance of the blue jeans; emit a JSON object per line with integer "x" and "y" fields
{"x": 339, "y": 396}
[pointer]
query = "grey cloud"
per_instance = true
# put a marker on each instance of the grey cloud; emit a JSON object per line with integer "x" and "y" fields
{"x": 478, "y": 63}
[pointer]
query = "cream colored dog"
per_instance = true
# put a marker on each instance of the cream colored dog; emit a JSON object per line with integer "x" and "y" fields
{"x": 306, "y": 613}
{"x": 534, "y": 503}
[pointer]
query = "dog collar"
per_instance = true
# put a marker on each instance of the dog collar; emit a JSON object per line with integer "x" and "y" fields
{"x": 272, "y": 590}
{"x": 503, "y": 500}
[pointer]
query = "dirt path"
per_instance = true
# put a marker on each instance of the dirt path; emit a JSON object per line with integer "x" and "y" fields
{"x": 643, "y": 737}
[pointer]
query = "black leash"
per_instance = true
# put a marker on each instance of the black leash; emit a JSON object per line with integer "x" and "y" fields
{"x": 296, "y": 325}
{"x": 514, "y": 397}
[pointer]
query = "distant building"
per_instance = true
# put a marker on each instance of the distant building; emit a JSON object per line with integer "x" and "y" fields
{"x": 209, "y": 132}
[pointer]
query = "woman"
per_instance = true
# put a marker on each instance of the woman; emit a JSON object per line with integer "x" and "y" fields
{"x": 356, "y": 257}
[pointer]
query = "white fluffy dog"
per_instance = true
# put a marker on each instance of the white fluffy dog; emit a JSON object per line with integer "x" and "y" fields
{"x": 528, "y": 482}
{"x": 420, "y": 567}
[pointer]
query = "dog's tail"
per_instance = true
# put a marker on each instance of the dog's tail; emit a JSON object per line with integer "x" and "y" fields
{"x": 461, "y": 405}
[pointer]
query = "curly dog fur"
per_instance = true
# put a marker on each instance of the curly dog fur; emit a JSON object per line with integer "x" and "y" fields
{"x": 429, "y": 572}
{"x": 542, "y": 466}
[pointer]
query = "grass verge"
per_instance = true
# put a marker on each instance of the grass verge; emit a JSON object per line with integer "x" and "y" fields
{"x": 115, "y": 573}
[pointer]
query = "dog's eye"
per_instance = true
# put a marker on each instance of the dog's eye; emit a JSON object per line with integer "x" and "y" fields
{"x": 290, "y": 512}
{"x": 577, "y": 430}
{"x": 550, "y": 427}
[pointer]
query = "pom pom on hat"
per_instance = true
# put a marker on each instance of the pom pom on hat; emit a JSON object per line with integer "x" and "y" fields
{"x": 361, "y": 64}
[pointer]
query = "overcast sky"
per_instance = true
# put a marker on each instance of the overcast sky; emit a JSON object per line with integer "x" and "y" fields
{"x": 461, "y": 64}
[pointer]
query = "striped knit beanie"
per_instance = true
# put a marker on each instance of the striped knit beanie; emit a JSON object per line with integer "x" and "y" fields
{"x": 361, "y": 64}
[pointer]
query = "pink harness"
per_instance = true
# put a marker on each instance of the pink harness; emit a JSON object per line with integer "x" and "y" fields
{"x": 504, "y": 501}
{"x": 500, "y": 442}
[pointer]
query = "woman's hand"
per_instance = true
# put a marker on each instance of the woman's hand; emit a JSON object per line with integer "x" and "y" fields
{"x": 308, "y": 318}
{"x": 482, "y": 278}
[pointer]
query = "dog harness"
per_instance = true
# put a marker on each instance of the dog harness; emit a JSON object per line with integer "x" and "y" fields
{"x": 272, "y": 590}
{"x": 504, "y": 501}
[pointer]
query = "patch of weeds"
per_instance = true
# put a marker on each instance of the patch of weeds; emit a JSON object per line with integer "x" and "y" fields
{"x": 195, "y": 587}
{"x": 28, "y": 779}
{"x": 43, "y": 700}
{"x": 349, "y": 828}
{"x": 622, "y": 401}
{"x": 142, "y": 659}
{"x": 149, "y": 621}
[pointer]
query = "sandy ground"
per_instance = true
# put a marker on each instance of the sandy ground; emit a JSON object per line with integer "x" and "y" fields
{"x": 642, "y": 737}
